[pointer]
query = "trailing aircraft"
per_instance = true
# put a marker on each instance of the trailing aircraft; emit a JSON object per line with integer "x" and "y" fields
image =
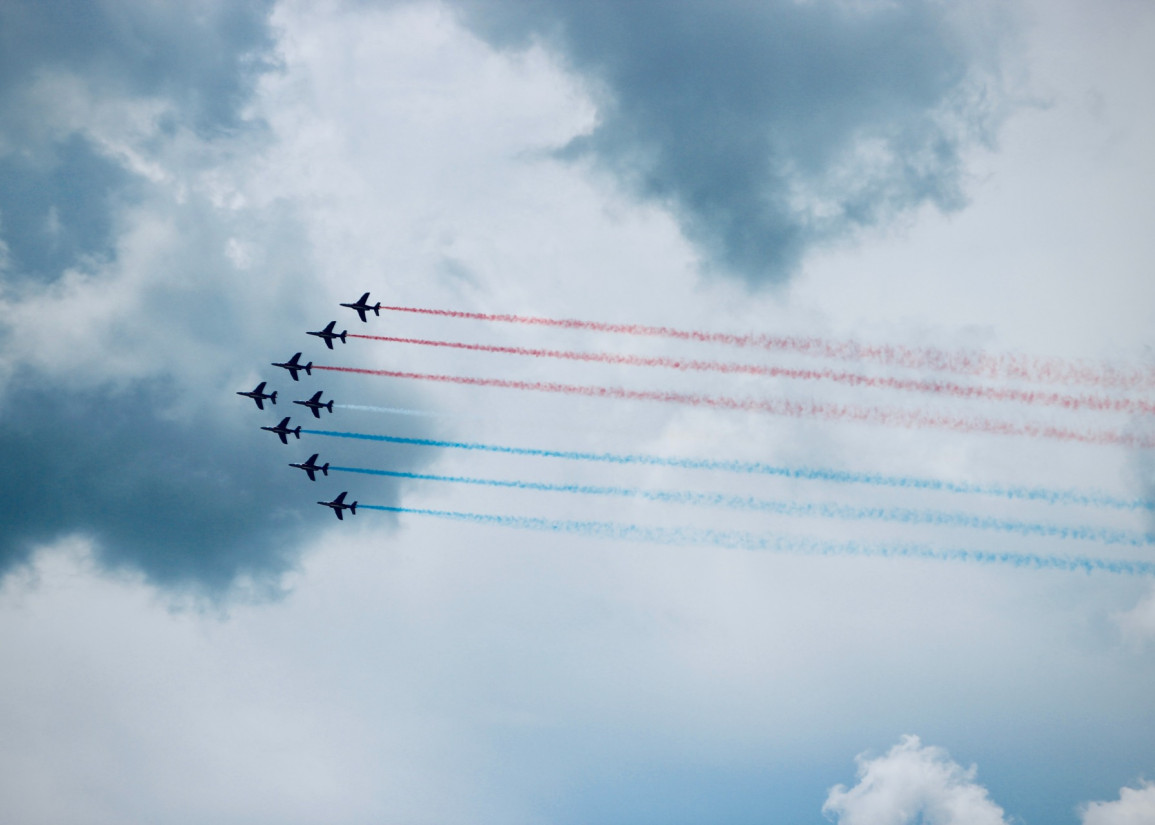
{"x": 283, "y": 429}
{"x": 311, "y": 466}
{"x": 316, "y": 404}
{"x": 328, "y": 334}
{"x": 292, "y": 366}
{"x": 338, "y": 504}
{"x": 259, "y": 395}
{"x": 363, "y": 306}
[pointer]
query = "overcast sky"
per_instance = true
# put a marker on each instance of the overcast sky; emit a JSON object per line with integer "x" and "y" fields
{"x": 187, "y": 636}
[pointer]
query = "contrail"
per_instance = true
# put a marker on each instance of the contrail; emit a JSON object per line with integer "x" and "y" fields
{"x": 1101, "y": 403}
{"x": 901, "y": 515}
{"x": 913, "y": 419}
{"x": 1016, "y": 367}
{"x": 738, "y": 540}
{"x": 1039, "y": 494}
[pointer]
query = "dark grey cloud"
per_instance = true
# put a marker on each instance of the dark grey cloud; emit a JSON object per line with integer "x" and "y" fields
{"x": 191, "y": 501}
{"x": 130, "y": 434}
{"x": 56, "y": 186}
{"x": 204, "y": 57}
{"x": 769, "y": 127}
{"x": 57, "y": 209}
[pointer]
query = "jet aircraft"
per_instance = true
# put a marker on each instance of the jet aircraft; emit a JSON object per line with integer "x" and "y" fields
{"x": 283, "y": 429}
{"x": 259, "y": 395}
{"x": 363, "y": 306}
{"x": 338, "y": 504}
{"x": 293, "y": 366}
{"x": 316, "y": 404}
{"x": 328, "y": 334}
{"x": 311, "y": 467}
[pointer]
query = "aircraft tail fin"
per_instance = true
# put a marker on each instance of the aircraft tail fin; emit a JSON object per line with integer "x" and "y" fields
{"x": 342, "y": 336}
{"x": 297, "y": 432}
{"x": 309, "y": 368}
{"x": 353, "y": 508}
{"x": 377, "y": 309}
{"x": 325, "y": 468}
{"x": 329, "y": 406}
{"x": 273, "y": 397}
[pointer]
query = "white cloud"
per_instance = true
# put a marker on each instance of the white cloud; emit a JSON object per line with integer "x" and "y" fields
{"x": 1135, "y": 806}
{"x": 913, "y": 783}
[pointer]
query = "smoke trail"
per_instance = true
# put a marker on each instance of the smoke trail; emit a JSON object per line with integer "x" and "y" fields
{"x": 1099, "y": 403}
{"x": 405, "y": 411}
{"x": 1018, "y": 367}
{"x": 913, "y": 419}
{"x": 802, "y": 545}
{"x": 1087, "y": 498}
{"x": 901, "y": 515}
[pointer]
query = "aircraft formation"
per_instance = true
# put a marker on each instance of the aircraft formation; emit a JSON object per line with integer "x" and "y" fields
{"x": 315, "y": 404}
{"x": 1058, "y": 401}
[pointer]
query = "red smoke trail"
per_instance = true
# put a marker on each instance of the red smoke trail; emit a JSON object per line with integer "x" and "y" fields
{"x": 793, "y": 409}
{"x": 1017, "y": 367}
{"x": 1071, "y": 402}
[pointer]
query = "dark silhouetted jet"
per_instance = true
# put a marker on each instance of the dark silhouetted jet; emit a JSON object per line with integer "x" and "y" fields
{"x": 292, "y": 366}
{"x": 283, "y": 429}
{"x": 316, "y": 404}
{"x": 338, "y": 504}
{"x": 362, "y": 306}
{"x": 311, "y": 467}
{"x": 328, "y": 334}
{"x": 259, "y": 395}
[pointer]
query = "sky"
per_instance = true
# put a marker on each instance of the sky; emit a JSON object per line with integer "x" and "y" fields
{"x": 681, "y": 596}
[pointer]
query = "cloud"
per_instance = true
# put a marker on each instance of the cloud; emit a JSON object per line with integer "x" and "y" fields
{"x": 143, "y": 283}
{"x": 58, "y": 186}
{"x": 772, "y": 128}
{"x": 912, "y": 784}
{"x": 204, "y": 57}
{"x": 1135, "y": 806}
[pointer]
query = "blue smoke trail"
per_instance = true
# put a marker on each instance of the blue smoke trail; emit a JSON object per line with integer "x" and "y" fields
{"x": 902, "y": 515}
{"x": 1043, "y": 494}
{"x": 738, "y": 540}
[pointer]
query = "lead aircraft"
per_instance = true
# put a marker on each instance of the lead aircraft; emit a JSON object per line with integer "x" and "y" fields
{"x": 363, "y": 306}
{"x": 292, "y": 366}
{"x": 338, "y": 504}
{"x": 259, "y": 395}
{"x": 283, "y": 429}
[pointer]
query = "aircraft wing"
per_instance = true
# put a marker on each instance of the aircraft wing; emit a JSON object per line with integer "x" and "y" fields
{"x": 283, "y": 439}
{"x": 260, "y": 403}
{"x": 312, "y": 475}
{"x": 339, "y": 516}
{"x": 341, "y": 498}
